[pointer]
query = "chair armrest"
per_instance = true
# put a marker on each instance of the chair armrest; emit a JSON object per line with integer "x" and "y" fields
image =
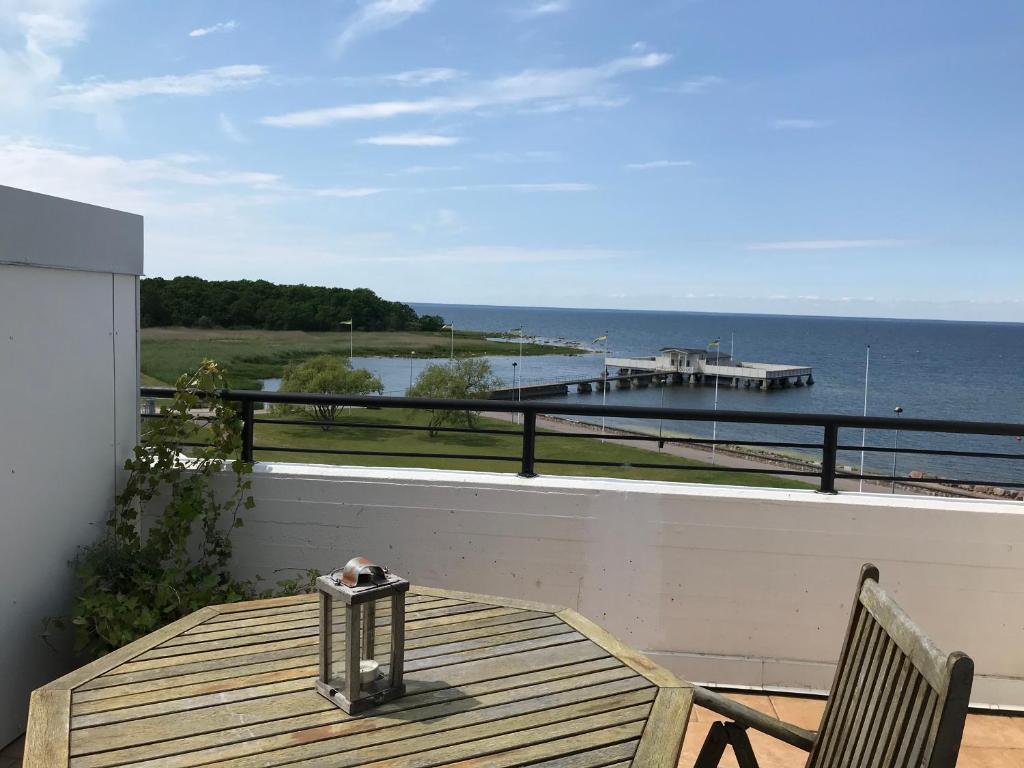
{"x": 751, "y": 718}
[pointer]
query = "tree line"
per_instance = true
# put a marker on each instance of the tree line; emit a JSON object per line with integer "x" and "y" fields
{"x": 194, "y": 302}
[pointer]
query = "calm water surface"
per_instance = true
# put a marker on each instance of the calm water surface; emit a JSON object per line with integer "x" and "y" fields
{"x": 939, "y": 370}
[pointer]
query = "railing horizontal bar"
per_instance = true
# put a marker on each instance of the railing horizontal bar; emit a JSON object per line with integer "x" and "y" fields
{"x": 932, "y": 480}
{"x": 935, "y": 452}
{"x": 193, "y": 417}
{"x": 635, "y": 412}
{"x": 395, "y": 454}
{"x": 683, "y": 467}
{"x": 398, "y": 427}
{"x": 685, "y": 440}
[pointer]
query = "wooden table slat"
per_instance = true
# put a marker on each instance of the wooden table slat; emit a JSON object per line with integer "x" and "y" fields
{"x": 214, "y": 719}
{"x": 353, "y": 733}
{"x": 571, "y": 675}
{"x": 671, "y": 712}
{"x": 472, "y": 741}
{"x": 490, "y": 682}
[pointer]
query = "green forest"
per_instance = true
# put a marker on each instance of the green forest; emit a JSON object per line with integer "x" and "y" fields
{"x": 196, "y": 303}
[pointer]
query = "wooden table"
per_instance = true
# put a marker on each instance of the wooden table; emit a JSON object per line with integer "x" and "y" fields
{"x": 491, "y": 682}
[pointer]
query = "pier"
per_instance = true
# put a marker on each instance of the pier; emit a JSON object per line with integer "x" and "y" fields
{"x": 673, "y": 366}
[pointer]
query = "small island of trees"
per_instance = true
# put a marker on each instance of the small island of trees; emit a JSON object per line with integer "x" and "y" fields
{"x": 196, "y": 303}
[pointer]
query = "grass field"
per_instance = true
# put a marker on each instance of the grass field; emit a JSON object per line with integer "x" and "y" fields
{"x": 249, "y": 356}
{"x": 549, "y": 445}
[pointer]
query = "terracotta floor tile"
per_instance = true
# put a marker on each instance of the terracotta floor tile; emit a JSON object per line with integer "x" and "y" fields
{"x": 799, "y": 710}
{"x": 990, "y": 741}
{"x": 994, "y": 731}
{"x": 989, "y": 757}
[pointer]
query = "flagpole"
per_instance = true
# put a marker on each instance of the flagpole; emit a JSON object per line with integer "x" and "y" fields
{"x": 451, "y": 327}
{"x": 864, "y": 431}
{"x": 714, "y": 427}
{"x": 520, "y": 390}
{"x": 351, "y": 325}
{"x": 604, "y": 383}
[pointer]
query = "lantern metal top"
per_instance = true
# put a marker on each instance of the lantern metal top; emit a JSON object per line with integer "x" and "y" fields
{"x": 360, "y": 581}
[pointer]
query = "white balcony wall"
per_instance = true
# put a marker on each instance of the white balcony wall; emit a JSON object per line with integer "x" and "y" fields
{"x": 68, "y": 385}
{"x": 728, "y": 585}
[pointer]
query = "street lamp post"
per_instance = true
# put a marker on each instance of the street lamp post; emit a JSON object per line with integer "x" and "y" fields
{"x": 515, "y": 416}
{"x": 451, "y": 327}
{"x": 351, "y": 328}
{"x": 412, "y": 357}
{"x": 895, "y": 447}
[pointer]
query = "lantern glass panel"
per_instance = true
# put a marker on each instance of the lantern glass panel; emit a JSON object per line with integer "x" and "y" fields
{"x": 362, "y": 633}
{"x": 373, "y": 635}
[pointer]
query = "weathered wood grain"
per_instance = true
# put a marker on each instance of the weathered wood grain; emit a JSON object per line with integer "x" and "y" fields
{"x": 46, "y": 742}
{"x": 490, "y": 682}
{"x": 658, "y": 747}
{"x": 629, "y": 656}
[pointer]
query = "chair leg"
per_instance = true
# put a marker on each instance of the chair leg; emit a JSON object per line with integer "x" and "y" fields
{"x": 741, "y": 746}
{"x": 714, "y": 747}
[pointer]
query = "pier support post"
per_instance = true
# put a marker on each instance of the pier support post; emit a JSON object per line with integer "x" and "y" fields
{"x": 798, "y": 382}
{"x": 810, "y": 380}
{"x": 765, "y": 384}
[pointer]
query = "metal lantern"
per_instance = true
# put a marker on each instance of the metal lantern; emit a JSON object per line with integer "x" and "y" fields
{"x": 351, "y": 674}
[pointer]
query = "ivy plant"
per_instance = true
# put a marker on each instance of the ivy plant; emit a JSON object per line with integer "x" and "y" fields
{"x": 166, "y": 550}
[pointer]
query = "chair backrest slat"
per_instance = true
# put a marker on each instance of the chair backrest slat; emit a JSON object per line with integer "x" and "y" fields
{"x": 897, "y": 701}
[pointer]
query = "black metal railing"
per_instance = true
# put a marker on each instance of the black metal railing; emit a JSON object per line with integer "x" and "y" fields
{"x": 828, "y": 445}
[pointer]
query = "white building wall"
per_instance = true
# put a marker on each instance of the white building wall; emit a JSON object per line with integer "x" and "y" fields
{"x": 727, "y": 585}
{"x": 68, "y": 389}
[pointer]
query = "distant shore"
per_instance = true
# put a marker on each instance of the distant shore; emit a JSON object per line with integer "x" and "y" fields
{"x": 251, "y": 355}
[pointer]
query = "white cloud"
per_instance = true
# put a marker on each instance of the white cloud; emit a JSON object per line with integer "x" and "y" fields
{"x": 532, "y": 88}
{"x": 544, "y": 8}
{"x": 414, "y": 78}
{"x": 157, "y": 184}
{"x": 94, "y": 95}
{"x": 376, "y": 16}
{"x": 415, "y": 170}
{"x": 496, "y": 254}
{"x": 221, "y": 26}
{"x": 412, "y": 140}
{"x": 799, "y": 124}
{"x": 653, "y": 164}
{"x": 558, "y": 186}
{"x": 229, "y": 129}
{"x": 348, "y": 191}
{"x": 425, "y": 76}
{"x": 697, "y": 85}
{"x": 32, "y": 34}
{"x": 828, "y": 245}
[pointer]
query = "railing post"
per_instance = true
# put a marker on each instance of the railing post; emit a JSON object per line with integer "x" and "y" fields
{"x": 828, "y": 459}
{"x": 248, "y": 415}
{"x": 529, "y": 443}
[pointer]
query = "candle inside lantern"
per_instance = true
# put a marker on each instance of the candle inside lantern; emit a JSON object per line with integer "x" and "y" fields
{"x": 368, "y": 671}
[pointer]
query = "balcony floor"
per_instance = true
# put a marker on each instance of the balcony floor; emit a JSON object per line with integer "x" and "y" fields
{"x": 990, "y": 741}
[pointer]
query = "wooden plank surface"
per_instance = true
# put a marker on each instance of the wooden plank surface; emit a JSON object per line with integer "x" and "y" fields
{"x": 46, "y": 743}
{"x": 490, "y": 682}
{"x": 662, "y": 739}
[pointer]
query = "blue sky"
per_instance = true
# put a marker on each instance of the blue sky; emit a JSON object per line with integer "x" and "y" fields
{"x": 797, "y": 157}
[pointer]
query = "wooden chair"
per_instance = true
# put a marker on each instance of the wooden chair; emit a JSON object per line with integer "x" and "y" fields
{"x": 896, "y": 701}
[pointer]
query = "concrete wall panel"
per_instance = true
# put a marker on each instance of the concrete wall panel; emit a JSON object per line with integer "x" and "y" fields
{"x": 730, "y": 585}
